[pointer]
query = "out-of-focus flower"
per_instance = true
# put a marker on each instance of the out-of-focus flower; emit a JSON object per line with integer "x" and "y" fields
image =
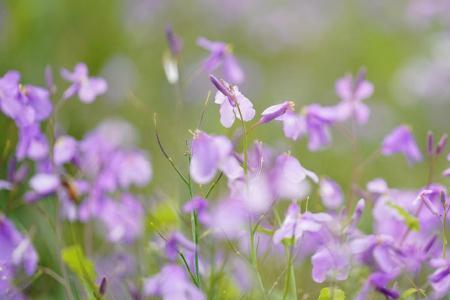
{"x": 446, "y": 173}
{"x": 175, "y": 43}
{"x": 87, "y": 88}
{"x": 16, "y": 255}
{"x": 221, "y": 55}
{"x": 401, "y": 140}
{"x": 176, "y": 243}
{"x": 288, "y": 177}
{"x": 352, "y": 92}
{"x": 27, "y": 104}
{"x": 199, "y": 205}
{"x": 32, "y": 143}
{"x": 210, "y": 154}
{"x": 440, "y": 279}
{"x": 172, "y": 284}
{"x": 331, "y": 193}
{"x": 232, "y": 104}
{"x": 123, "y": 218}
{"x": 65, "y": 149}
{"x": 379, "y": 282}
{"x": 332, "y": 262}
{"x": 296, "y": 224}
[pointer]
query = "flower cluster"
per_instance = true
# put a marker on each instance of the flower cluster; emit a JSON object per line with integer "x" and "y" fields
{"x": 272, "y": 211}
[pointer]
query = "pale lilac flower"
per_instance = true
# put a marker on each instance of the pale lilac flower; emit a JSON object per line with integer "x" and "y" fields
{"x": 331, "y": 193}
{"x": 401, "y": 140}
{"x": 232, "y": 104}
{"x": 87, "y": 88}
{"x": 210, "y": 154}
{"x": 296, "y": 224}
{"x": 27, "y": 104}
{"x": 440, "y": 279}
{"x": 177, "y": 243}
{"x": 317, "y": 120}
{"x": 65, "y": 149}
{"x": 123, "y": 219}
{"x": 172, "y": 283}
{"x": 32, "y": 143}
{"x": 199, "y": 205}
{"x": 254, "y": 192}
{"x": 377, "y": 186}
{"x": 16, "y": 251}
{"x": 288, "y": 177}
{"x": 332, "y": 262}
{"x": 221, "y": 55}
{"x": 352, "y": 92}
{"x": 131, "y": 168}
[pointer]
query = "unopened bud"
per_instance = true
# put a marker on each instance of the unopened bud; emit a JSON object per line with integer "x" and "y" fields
{"x": 441, "y": 145}
{"x": 430, "y": 142}
{"x": 102, "y": 288}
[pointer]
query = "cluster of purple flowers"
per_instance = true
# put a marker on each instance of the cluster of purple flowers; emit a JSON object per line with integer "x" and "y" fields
{"x": 97, "y": 178}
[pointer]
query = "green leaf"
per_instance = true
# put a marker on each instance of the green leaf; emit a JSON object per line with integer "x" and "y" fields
{"x": 410, "y": 221}
{"x": 331, "y": 294}
{"x": 409, "y": 292}
{"x": 75, "y": 259}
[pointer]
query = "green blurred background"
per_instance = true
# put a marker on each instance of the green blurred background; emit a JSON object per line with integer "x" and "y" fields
{"x": 290, "y": 50}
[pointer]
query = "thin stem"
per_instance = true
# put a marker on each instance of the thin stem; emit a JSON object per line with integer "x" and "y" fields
{"x": 214, "y": 184}
{"x": 245, "y": 139}
{"x": 254, "y": 261}
{"x": 166, "y": 155}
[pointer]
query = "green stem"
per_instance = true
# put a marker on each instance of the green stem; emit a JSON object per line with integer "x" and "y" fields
{"x": 244, "y": 140}
{"x": 254, "y": 261}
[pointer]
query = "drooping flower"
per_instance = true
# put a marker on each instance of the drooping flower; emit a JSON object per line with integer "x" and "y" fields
{"x": 401, "y": 140}
{"x": 276, "y": 112}
{"x": 288, "y": 178}
{"x": 331, "y": 193}
{"x": 352, "y": 93}
{"x": 210, "y": 154}
{"x": 221, "y": 55}
{"x": 172, "y": 283}
{"x": 87, "y": 88}
{"x": 232, "y": 103}
{"x": 296, "y": 224}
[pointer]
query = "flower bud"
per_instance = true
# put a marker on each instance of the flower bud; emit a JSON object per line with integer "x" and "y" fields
{"x": 430, "y": 143}
{"x": 441, "y": 145}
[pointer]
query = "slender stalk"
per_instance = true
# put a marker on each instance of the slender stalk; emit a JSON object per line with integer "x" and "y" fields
{"x": 195, "y": 229}
{"x": 244, "y": 140}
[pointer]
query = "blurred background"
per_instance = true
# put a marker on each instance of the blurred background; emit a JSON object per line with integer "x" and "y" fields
{"x": 289, "y": 50}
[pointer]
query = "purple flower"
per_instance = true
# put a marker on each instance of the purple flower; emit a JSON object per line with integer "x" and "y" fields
{"x": 65, "y": 150}
{"x": 171, "y": 283}
{"x": 378, "y": 281}
{"x": 24, "y": 104}
{"x": 288, "y": 177}
{"x": 296, "y": 224}
{"x": 177, "y": 243}
{"x": 276, "y": 112}
{"x": 331, "y": 261}
{"x": 220, "y": 55}
{"x": 317, "y": 120}
{"x": 32, "y": 143}
{"x": 199, "y": 205}
{"x": 87, "y": 88}
{"x": 401, "y": 140}
{"x": 232, "y": 103}
{"x": 352, "y": 93}
{"x": 446, "y": 173}
{"x": 16, "y": 251}
{"x": 331, "y": 193}
{"x": 123, "y": 219}
{"x": 210, "y": 154}
{"x": 440, "y": 279}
